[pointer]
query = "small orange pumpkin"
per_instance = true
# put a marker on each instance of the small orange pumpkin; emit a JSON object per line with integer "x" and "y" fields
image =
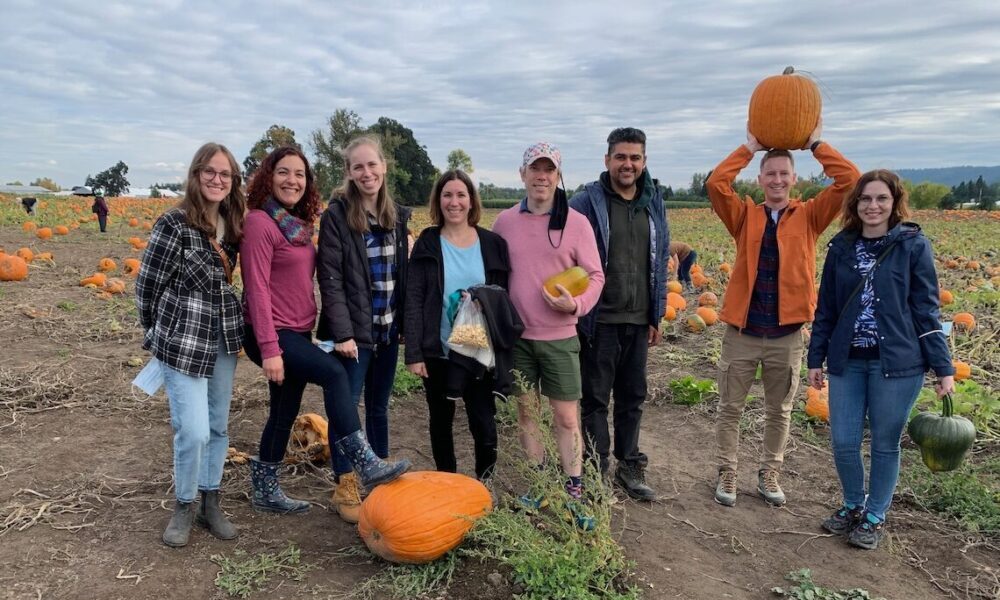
{"x": 106, "y": 265}
{"x": 946, "y": 298}
{"x": 61, "y": 230}
{"x": 26, "y": 254}
{"x": 818, "y": 403}
{"x": 574, "y": 279}
{"x": 675, "y": 287}
{"x": 676, "y": 300}
{"x": 962, "y": 370}
{"x": 784, "y": 110}
{"x": 695, "y": 323}
{"x": 131, "y": 266}
{"x": 309, "y": 440}
{"x": 29, "y": 226}
{"x": 708, "y": 299}
{"x": 13, "y": 268}
{"x": 670, "y": 314}
{"x": 44, "y": 233}
{"x": 964, "y": 322}
{"x": 419, "y": 517}
{"x": 95, "y": 280}
{"x": 133, "y": 222}
{"x": 708, "y": 315}
{"x": 115, "y": 286}
{"x": 726, "y": 268}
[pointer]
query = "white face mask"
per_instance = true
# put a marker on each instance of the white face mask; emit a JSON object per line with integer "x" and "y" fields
{"x": 150, "y": 378}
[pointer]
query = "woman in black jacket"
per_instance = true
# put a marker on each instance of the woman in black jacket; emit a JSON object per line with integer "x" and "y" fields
{"x": 361, "y": 268}
{"x": 877, "y": 328}
{"x": 455, "y": 254}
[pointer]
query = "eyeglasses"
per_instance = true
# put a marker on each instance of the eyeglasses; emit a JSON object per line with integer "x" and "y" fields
{"x": 880, "y": 200}
{"x": 208, "y": 174}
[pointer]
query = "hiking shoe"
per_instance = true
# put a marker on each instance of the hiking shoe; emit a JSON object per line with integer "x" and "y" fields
{"x": 581, "y": 517}
{"x": 532, "y": 501}
{"x": 843, "y": 521}
{"x": 725, "y": 489}
{"x": 632, "y": 479}
{"x": 867, "y": 535}
{"x": 767, "y": 486}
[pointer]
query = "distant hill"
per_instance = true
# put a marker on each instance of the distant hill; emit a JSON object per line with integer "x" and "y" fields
{"x": 951, "y": 176}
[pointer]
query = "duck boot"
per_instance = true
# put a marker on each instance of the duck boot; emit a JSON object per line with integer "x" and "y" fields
{"x": 347, "y": 498}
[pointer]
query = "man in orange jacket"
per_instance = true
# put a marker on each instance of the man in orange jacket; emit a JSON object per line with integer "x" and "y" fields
{"x": 770, "y": 295}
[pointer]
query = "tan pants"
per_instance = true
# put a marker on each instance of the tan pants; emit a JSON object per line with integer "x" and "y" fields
{"x": 780, "y": 360}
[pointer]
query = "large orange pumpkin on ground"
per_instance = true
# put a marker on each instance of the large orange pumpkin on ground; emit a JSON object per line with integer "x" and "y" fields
{"x": 422, "y": 515}
{"x": 676, "y": 300}
{"x": 13, "y": 268}
{"x": 708, "y": 299}
{"x": 784, "y": 110}
{"x": 574, "y": 279}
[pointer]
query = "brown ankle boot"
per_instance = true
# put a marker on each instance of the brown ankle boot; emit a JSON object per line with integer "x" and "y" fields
{"x": 347, "y": 498}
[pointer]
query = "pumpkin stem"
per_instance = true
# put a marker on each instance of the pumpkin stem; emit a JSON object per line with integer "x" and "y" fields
{"x": 788, "y": 70}
{"x": 946, "y": 407}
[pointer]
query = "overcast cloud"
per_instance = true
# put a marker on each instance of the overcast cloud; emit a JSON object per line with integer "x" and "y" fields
{"x": 82, "y": 86}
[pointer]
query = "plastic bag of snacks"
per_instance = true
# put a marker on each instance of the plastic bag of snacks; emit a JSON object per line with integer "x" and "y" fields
{"x": 469, "y": 335}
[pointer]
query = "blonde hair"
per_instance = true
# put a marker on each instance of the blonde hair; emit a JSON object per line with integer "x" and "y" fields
{"x": 385, "y": 208}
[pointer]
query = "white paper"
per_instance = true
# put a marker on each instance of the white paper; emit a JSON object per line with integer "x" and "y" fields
{"x": 946, "y": 327}
{"x": 150, "y": 378}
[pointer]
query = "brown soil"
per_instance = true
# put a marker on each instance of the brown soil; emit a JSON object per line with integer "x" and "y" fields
{"x": 85, "y": 480}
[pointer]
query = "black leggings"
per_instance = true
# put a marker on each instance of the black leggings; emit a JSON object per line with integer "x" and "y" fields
{"x": 304, "y": 363}
{"x": 481, "y": 409}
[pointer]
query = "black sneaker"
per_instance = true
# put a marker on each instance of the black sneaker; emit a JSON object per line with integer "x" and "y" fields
{"x": 633, "y": 481}
{"x": 867, "y": 535}
{"x": 843, "y": 521}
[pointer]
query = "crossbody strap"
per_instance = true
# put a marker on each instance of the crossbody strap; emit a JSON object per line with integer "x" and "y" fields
{"x": 227, "y": 267}
{"x": 861, "y": 284}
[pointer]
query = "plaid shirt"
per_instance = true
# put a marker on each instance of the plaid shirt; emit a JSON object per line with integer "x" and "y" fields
{"x": 762, "y": 319}
{"x": 183, "y": 298}
{"x": 381, "y": 245}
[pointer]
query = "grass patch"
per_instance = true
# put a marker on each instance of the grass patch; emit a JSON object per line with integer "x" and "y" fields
{"x": 805, "y": 589}
{"x": 406, "y": 382}
{"x": 407, "y": 581}
{"x": 690, "y": 390}
{"x": 969, "y": 494}
{"x": 242, "y": 575}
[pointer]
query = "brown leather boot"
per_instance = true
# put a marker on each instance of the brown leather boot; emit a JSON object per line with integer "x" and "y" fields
{"x": 347, "y": 498}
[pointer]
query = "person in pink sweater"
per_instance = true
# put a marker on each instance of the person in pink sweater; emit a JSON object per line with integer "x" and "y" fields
{"x": 544, "y": 238}
{"x": 278, "y": 261}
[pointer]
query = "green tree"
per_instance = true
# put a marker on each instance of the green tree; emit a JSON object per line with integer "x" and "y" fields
{"x": 698, "y": 185}
{"x": 276, "y": 136}
{"x": 411, "y": 172}
{"x": 328, "y": 144}
{"x": 458, "y": 159}
{"x": 47, "y": 183}
{"x": 745, "y": 187}
{"x": 14, "y": 183}
{"x": 154, "y": 192}
{"x": 112, "y": 181}
{"x": 927, "y": 194}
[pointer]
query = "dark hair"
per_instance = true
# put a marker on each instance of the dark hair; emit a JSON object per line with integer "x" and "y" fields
{"x": 434, "y": 205}
{"x": 776, "y": 154}
{"x": 259, "y": 189}
{"x": 233, "y": 208}
{"x": 849, "y": 218}
{"x": 628, "y": 135}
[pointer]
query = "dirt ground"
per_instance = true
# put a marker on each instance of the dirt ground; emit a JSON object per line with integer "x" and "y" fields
{"x": 85, "y": 480}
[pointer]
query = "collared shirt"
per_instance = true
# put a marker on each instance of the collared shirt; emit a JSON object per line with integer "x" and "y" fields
{"x": 762, "y": 318}
{"x": 524, "y": 207}
{"x": 381, "y": 245}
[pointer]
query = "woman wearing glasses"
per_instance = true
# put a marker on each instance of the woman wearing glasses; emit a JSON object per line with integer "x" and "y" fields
{"x": 877, "y": 328}
{"x": 194, "y": 326}
{"x": 278, "y": 260}
{"x": 361, "y": 270}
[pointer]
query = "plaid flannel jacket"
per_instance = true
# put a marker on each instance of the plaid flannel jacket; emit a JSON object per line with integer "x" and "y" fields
{"x": 183, "y": 298}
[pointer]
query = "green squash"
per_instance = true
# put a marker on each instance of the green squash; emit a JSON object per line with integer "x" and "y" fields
{"x": 944, "y": 439}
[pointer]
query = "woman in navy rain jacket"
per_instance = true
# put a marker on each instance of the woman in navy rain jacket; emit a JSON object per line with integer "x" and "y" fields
{"x": 877, "y": 327}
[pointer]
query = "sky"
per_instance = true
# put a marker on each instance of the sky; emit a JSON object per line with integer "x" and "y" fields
{"x": 84, "y": 85}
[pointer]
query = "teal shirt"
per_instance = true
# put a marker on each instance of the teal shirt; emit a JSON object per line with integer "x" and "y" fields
{"x": 463, "y": 268}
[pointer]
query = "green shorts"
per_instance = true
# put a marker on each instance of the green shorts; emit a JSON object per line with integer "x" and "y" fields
{"x": 553, "y": 363}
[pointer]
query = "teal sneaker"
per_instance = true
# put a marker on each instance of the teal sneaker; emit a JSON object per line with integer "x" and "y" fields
{"x": 532, "y": 501}
{"x": 581, "y": 517}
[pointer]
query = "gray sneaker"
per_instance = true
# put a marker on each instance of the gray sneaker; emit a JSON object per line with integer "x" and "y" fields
{"x": 767, "y": 486}
{"x": 843, "y": 521}
{"x": 725, "y": 489}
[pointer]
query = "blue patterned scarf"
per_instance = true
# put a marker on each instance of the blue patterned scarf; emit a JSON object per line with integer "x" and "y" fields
{"x": 297, "y": 231}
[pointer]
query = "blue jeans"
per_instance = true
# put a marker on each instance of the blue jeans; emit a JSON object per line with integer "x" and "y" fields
{"x": 199, "y": 416}
{"x": 864, "y": 391}
{"x": 374, "y": 371}
{"x": 684, "y": 268}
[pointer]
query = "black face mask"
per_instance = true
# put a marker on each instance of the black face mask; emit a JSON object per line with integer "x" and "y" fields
{"x": 560, "y": 212}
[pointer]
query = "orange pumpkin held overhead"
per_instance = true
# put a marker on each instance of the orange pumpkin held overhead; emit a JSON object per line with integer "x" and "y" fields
{"x": 784, "y": 110}
{"x": 13, "y": 268}
{"x": 421, "y": 516}
{"x": 574, "y": 279}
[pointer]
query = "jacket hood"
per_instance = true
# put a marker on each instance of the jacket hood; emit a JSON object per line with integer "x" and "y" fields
{"x": 645, "y": 189}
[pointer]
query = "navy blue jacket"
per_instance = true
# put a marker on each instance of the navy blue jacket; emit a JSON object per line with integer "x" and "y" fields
{"x": 906, "y": 307}
{"x": 593, "y": 204}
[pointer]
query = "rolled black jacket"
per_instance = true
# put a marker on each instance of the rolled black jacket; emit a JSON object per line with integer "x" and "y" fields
{"x": 911, "y": 340}
{"x": 425, "y": 284}
{"x": 345, "y": 284}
